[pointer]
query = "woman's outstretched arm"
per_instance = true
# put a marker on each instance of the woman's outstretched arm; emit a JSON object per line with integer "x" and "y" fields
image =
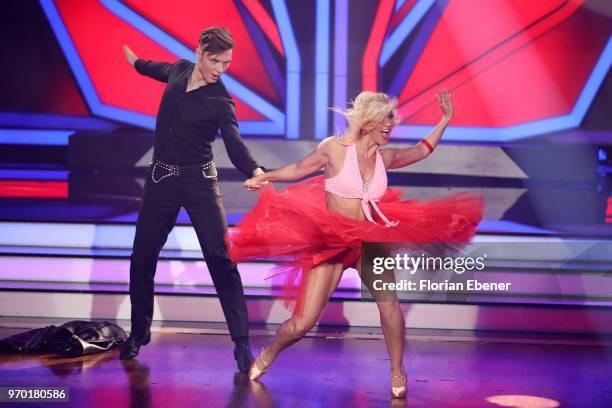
{"x": 317, "y": 159}
{"x": 400, "y": 157}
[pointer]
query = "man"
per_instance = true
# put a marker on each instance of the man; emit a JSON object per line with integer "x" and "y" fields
{"x": 194, "y": 106}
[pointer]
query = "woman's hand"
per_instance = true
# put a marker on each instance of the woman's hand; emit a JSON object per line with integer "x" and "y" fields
{"x": 446, "y": 104}
{"x": 255, "y": 183}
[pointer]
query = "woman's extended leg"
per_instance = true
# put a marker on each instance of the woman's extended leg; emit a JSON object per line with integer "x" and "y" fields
{"x": 394, "y": 331}
{"x": 320, "y": 284}
{"x": 393, "y": 327}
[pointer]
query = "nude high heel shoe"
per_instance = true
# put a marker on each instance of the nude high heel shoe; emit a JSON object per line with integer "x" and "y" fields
{"x": 399, "y": 384}
{"x": 259, "y": 366}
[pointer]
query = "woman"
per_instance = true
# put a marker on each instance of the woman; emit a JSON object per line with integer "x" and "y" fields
{"x": 315, "y": 228}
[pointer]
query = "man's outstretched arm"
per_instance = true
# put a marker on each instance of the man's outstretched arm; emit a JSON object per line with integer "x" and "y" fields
{"x": 156, "y": 70}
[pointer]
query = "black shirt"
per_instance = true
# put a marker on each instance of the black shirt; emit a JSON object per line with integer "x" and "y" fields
{"x": 187, "y": 122}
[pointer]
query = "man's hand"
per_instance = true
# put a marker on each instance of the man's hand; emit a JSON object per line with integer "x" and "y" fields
{"x": 258, "y": 172}
{"x": 129, "y": 55}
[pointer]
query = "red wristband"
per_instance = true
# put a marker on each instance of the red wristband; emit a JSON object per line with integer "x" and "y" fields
{"x": 427, "y": 145}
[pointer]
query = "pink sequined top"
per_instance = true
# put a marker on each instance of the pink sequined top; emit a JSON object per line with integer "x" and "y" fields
{"x": 349, "y": 184}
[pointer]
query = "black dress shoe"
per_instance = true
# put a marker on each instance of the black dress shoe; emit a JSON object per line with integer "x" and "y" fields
{"x": 131, "y": 347}
{"x": 243, "y": 357}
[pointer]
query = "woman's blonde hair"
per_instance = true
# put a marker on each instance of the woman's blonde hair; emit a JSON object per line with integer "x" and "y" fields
{"x": 366, "y": 108}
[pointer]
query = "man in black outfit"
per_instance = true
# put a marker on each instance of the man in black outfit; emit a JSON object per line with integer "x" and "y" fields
{"x": 194, "y": 106}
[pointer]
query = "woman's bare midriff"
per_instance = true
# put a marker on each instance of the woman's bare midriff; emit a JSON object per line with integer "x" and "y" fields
{"x": 347, "y": 207}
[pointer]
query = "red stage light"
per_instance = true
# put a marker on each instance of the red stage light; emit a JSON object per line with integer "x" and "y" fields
{"x": 33, "y": 189}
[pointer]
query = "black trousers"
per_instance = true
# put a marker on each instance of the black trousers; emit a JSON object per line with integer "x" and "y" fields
{"x": 160, "y": 207}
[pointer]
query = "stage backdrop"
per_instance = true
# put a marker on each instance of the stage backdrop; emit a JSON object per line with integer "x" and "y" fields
{"x": 516, "y": 68}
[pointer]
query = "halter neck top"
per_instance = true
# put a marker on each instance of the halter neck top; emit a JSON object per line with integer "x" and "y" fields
{"x": 349, "y": 184}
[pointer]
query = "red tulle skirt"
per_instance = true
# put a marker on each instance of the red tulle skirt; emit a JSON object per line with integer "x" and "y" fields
{"x": 294, "y": 228}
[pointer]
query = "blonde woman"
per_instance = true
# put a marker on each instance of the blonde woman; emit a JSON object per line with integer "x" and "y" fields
{"x": 315, "y": 228}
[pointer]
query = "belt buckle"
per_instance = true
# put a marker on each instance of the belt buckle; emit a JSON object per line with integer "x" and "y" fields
{"x": 209, "y": 166}
{"x": 172, "y": 169}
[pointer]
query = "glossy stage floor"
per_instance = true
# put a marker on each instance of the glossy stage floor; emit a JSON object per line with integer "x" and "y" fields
{"x": 332, "y": 367}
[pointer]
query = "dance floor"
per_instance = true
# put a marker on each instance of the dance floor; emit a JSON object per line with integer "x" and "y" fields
{"x": 333, "y": 368}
